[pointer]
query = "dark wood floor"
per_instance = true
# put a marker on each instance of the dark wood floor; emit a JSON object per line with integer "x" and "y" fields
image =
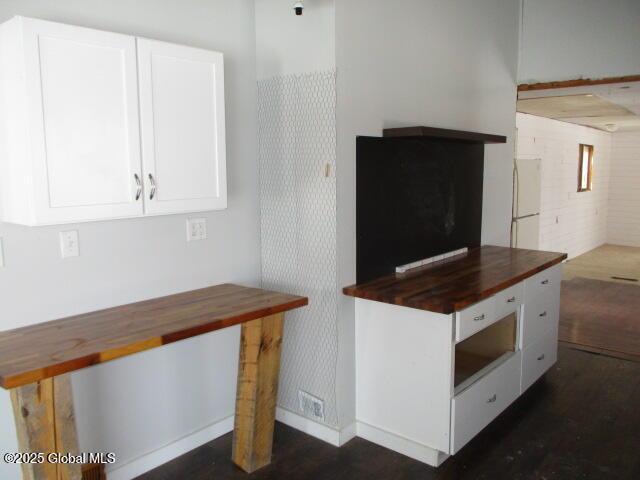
{"x": 581, "y": 422}
{"x": 601, "y": 316}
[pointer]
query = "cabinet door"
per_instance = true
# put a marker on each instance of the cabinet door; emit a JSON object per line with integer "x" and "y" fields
{"x": 83, "y": 116}
{"x": 182, "y": 121}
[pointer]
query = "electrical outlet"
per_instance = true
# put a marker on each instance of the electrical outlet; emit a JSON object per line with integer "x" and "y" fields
{"x": 196, "y": 229}
{"x": 1, "y": 254}
{"x": 69, "y": 246}
{"x": 311, "y": 406}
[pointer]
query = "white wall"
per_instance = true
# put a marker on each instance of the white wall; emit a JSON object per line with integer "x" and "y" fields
{"x": 290, "y": 44}
{"x": 570, "y": 221}
{"x": 567, "y": 39}
{"x": 419, "y": 62}
{"x": 624, "y": 190}
{"x": 138, "y": 404}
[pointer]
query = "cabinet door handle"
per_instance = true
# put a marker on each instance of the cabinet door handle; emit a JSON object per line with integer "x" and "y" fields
{"x": 545, "y": 282}
{"x": 543, "y": 314}
{"x": 493, "y": 399}
{"x": 139, "y": 184}
{"x": 478, "y": 318}
{"x": 153, "y": 187}
{"x": 541, "y": 357}
{"x": 511, "y": 300}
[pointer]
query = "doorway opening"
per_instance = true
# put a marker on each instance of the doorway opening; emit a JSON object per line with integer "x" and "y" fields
{"x": 576, "y": 178}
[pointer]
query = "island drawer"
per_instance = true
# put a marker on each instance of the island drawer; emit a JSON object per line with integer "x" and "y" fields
{"x": 539, "y": 357}
{"x": 543, "y": 283}
{"x": 509, "y": 300}
{"x": 539, "y": 315}
{"x": 474, "y": 318}
{"x": 476, "y": 406}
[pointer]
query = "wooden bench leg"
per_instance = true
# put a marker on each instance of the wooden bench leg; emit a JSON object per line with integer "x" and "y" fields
{"x": 257, "y": 392}
{"x": 45, "y": 423}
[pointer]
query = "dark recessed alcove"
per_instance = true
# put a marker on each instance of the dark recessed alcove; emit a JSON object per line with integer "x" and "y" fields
{"x": 417, "y": 196}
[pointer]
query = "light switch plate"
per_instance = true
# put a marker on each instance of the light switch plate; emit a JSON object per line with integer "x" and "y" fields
{"x": 1, "y": 254}
{"x": 196, "y": 229}
{"x": 69, "y": 246}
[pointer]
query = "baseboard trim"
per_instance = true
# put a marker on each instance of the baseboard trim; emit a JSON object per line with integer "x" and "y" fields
{"x": 402, "y": 445}
{"x": 348, "y": 433}
{"x": 162, "y": 455}
{"x": 322, "y": 432}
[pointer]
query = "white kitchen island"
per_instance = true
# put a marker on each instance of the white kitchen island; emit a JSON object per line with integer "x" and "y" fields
{"x": 443, "y": 349}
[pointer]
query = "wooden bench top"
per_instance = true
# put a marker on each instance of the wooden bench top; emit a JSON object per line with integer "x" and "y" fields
{"x": 33, "y": 353}
{"x": 452, "y": 284}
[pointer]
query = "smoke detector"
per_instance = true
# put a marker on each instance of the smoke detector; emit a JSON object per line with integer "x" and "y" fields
{"x": 610, "y": 127}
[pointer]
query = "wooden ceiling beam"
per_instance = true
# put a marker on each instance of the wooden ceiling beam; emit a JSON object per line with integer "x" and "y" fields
{"x": 579, "y": 82}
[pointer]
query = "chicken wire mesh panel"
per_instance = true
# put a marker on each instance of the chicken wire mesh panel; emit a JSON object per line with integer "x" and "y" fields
{"x": 297, "y": 152}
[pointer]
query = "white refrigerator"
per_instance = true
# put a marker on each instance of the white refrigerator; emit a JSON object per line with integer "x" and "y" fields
{"x": 525, "y": 226}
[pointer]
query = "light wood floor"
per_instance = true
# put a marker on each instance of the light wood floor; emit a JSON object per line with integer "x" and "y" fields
{"x": 605, "y": 262}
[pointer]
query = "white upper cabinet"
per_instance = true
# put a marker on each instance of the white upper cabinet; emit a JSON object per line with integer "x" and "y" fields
{"x": 92, "y": 129}
{"x": 183, "y": 130}
{"x": 70, "y": 135}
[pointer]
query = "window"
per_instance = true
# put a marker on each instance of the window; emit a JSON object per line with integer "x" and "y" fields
{"x": 585, "y": 168}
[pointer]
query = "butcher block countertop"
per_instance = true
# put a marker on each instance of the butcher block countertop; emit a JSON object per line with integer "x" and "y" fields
{"x": 33, "y": 353}
{"x": 453, "y": 284}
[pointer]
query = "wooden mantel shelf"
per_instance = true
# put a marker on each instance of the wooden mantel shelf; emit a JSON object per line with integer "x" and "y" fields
{"x": 445, "y": 134}
{"x": 457, "y": 282}
{"x": 33, "y": 353}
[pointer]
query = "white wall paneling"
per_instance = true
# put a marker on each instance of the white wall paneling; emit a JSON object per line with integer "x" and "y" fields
{"x": 624, "y": 190}
{"x": 570, "y": 221}
{"x": 147, "y": 402}
{"x": 297, "y": 144}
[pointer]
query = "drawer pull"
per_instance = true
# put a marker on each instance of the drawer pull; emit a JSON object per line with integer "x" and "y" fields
{"x": 543, "y": 314}
{"x": 541, "y": 357}
{"x": 545, "y": 282}
{"x": 511, "y": 300}
{"x": 478, "y": 318}
{"x": 493, "y": 399}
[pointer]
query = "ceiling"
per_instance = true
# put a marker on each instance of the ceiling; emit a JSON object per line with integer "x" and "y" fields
{"x": 612, "y": 107}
